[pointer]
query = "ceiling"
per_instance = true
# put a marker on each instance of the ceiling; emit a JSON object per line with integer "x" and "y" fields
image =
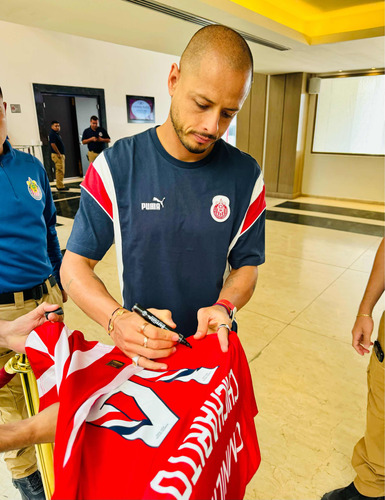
{"x": 321, "y": 35}
{"x": 324, "y": 21}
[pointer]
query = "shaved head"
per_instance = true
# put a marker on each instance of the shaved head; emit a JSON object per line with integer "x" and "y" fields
{"x": 207, "y": 90}
{"x": 217, "y": 41}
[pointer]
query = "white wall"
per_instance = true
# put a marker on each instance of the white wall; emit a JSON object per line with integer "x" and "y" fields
{"x": 341, "y": 176}
{"x": 31, "y": 55}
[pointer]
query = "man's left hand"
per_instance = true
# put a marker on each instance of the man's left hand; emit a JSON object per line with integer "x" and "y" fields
{"x": 13, "y": 334}
{"x": 209, "y": 319}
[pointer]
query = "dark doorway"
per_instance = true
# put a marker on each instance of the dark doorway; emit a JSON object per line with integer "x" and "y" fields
{"x": 62, "y": 109}
{"x": 59, "y": 102}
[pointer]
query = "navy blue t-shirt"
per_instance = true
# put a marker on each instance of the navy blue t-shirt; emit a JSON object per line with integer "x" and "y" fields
{"x": 55, "y": 138}
{"x": 179, "y": 227}
{"x": 96, "y": 147}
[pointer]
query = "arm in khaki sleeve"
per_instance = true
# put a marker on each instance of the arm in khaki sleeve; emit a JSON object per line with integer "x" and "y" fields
{"x": 238, "y": 289}
{"x": 89, "y": 293}
{"x": 363, "y": 326}
{"x": 38, "y": 429}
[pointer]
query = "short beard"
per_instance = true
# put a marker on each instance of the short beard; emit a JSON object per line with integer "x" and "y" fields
{"x": 179, "y": 132}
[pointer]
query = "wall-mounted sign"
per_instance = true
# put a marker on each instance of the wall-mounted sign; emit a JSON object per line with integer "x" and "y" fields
{"x": 15, "y": 108}
{"x": 140, "y": 109}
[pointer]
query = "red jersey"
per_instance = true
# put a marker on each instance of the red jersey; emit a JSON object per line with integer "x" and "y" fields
{"x": 128, "y": 433}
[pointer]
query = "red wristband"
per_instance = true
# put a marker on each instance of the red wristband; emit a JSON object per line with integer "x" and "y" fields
{"x": 230, "y": 308}
{"x": 223, "y": 305}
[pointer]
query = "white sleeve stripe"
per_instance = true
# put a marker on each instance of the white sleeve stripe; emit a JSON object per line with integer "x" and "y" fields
{"x": 258, "y": 188}
{"x": 93, "y": 197}
{"x": 35, "y": 342}
{"x": 83, "y": 359}
{"x": 102, "y": 168}
{"x": 252, "y": 224}
{"x": 47, "y": 381}
{"x": 62, "y": 354}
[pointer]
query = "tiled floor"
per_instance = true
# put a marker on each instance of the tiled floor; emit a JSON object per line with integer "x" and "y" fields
{"x": 310, "y": 384}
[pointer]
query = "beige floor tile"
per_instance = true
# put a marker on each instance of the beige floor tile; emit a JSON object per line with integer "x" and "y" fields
{"x": 333, "y": 313}
{"x": 338, "y": 248}
{"x": 311, "y": 394}
{"x": 256, "y": 332}
{"x": 7, "y": 490}
{"x": 64, "y": 230}
{"x": 287, "y": 285}
{"x": 365, "y": 261}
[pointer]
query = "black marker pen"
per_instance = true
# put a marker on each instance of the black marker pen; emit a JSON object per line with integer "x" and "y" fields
{"x": 56, "y": 311}
{"x": 157, "y": 322}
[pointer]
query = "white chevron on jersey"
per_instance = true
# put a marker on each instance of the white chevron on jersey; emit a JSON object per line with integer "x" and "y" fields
{"x": 83, "y": 411}
{"x": 257, "y": 191}
{"x": 159, "y": 418}
{"x": 102, "y": 168}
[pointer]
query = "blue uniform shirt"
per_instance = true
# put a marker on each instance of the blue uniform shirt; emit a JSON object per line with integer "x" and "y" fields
{"x": 96, "y": 147}
{"x": 55, "y": 138}
{"x": 179, "y": 227}
{"x": 29, "y": 247}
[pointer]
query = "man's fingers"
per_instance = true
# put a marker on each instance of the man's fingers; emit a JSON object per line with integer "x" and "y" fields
{"x": 223, "y": 340}
{"x": 203, "y": 322}
{"x": 132, "y": 350}
{"x": 54, "y": 317}
{"x": 360, "y": 346}
{"x": 165, "y": 315}
{"x": 223, "y": 337}
{"x": 151, "y": 365}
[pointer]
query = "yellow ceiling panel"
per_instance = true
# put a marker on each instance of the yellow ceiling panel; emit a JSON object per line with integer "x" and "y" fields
{"x": 324, "y": 21}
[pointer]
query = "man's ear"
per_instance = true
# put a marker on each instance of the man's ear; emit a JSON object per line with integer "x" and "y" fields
{"x": 173, "y": 79}
{"x": 5, "y": 106}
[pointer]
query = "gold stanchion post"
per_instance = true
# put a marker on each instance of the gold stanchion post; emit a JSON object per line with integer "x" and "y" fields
{"x": 20, "y": 364}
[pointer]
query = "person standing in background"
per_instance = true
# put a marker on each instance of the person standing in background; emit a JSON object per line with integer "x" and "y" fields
{"x": 57, "y": 155}
{"x": 30, "y": 260}
{"x": 368, "y": 455}
{"x": 96, "y": 138}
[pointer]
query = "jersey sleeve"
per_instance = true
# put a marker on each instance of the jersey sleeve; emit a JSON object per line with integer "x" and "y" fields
{"x": 41, "y": 347}
{"x": 93, "y": 232}
{"x": 248, "y": 245}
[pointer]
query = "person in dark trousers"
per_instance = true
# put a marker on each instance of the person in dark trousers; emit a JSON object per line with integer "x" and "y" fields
{"x": 30, "y": 260}
{"x": 96, "y": 139}
{"x": 57, "y": 155}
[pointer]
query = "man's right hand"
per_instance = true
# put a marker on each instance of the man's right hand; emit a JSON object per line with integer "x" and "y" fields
{"x": 131, "y": 331}
{"x": 361, "y": 333}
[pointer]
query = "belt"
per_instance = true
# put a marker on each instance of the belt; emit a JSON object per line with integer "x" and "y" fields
{"x": 35, "y": 292}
